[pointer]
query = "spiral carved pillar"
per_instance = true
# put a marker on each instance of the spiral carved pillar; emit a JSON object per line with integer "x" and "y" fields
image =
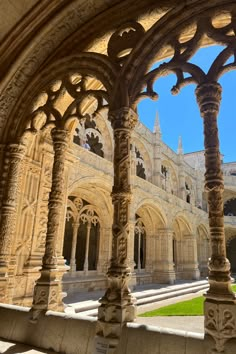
{"x": 15, "y": 154}
{"x": 47, "y": 292}
{"x": 118, "y": 305}
{"x": 73, "y": 247}
{"x": 219, "y": 307}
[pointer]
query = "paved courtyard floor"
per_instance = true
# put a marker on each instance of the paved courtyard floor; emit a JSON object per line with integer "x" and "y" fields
{"x": 184, "y": 323}
{"x": 16, "y": 348}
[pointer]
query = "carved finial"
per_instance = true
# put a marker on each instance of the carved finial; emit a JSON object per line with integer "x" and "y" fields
{"x": 180, "y": 146}
{"x": 197, "y": 164}
{"x": 157, "y": 128}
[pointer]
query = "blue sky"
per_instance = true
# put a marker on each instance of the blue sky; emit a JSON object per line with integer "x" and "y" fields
{"x": 179, "y": 115}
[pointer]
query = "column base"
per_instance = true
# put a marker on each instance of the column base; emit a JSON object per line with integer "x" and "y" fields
{"x": 164, "y": 277}
{"x": 220, "y": 323}
{"x": 72, "y": 268}
{"x": 47, "y": 293}
{"x": 4, "y": 290}
{"x": 111, "y": 319}
{"x": 191, "y": 272}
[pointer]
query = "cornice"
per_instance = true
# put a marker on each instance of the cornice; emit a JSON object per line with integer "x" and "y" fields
{"x": 27, "y": 28}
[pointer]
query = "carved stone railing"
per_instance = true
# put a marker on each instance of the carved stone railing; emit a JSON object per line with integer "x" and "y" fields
{"x": 93, "y": 160}
{"x": 230, "y": 220}
{"x": 230, "y": 181}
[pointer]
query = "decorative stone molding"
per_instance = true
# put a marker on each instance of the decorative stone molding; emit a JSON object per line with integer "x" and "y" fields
{"x": 47, "y": 289}
{"x": 118, "y": 305}
{"x": 209, "y": 97}
{"x": 220, "y": 323}
{"x": 15, "y": 154}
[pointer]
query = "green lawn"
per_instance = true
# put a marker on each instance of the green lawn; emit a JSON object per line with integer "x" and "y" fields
{"x": 192, "y": 307}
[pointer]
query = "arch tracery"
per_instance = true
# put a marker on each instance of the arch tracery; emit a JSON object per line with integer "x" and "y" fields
{"x": 130, "y": 88}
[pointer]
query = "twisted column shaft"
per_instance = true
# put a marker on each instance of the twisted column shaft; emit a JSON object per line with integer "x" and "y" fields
{"x": 209, "y": 98}
{"x": 117, "y": 305}
{"x": 15, "y": 154}
{"x": 47, "y": 288}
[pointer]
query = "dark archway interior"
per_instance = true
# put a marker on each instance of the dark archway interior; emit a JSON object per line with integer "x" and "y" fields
{"x": 231, "y": 254}
{"x": 230, "y": 207}
{"x": 68, "y": 241}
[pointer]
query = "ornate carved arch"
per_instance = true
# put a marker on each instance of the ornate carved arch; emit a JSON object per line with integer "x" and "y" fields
{"x": 181, "y": 219}
{"x": 52, "y": 84}
{"x": 142, "y": 148}
{"x": 151, "y": 211}
{"x": 179, "y": 34}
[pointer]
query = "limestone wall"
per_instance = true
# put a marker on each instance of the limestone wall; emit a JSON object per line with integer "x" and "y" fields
{"x": 75, "y": 334}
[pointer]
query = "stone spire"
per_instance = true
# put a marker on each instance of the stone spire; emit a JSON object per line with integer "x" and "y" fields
{"x": 157, "y": 128}
{"x": 180, "y": 146}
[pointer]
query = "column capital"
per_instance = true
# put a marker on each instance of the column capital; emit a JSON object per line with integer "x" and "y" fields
{"x": 123, "y": 118}
{"x": 17, "y": 151}
{"x": 165, "y": 232}
{"x": 208, "y": 97}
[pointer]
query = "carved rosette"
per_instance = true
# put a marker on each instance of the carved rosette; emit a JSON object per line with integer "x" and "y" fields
{"x": 220, "y": 323}
{"x": 14, "y": 154}
{"x": 117, "y": 305}
{"x": 209, "y": 98}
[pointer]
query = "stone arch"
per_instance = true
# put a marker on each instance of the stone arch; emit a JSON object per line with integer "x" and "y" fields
{"x": 203, "y": 247}
{"x": 184, "y": 249}
{"x": 140, "y": 244}
{"x": 154, "y": 44}
{"x": 231, "y": 252}
{"x": 53, "y": 82}
{"x": 169, "y": 179}
{"x": 155, "y": 222}
{"x": 95, "y": 193}
{"x": 230, "y": 207}
{"x": 147, "y": 162}
{"x": 190, "y": 197}
{"x": 153, "y": 213}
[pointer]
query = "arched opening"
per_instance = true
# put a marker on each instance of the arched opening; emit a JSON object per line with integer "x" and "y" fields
{"x": 184, "y": 250}
{"x": 67, "y": 245}
{"x": 82, "y": 236}
{"x": 230, "y": 207}
{"x": 175, "y": 251}
{"x": 139, "y": 244}
{"x": 203, "y": 249}
{"x": 231, "y": 254}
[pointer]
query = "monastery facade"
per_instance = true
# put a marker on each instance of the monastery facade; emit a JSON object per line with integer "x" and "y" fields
{"x": 169, "y": 239}
{"x": 90, "y": 198}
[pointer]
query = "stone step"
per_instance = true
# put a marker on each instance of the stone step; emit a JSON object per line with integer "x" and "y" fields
{"x": 169, "y": 289}
{"x": 89, "y": 308}
{"x": 160, "y": 297}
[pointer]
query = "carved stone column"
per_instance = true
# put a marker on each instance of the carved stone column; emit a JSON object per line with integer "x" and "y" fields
{"x": 165, "y": 272}
{"x": 86, "y": 262}
{"x": 156, "y": 175}
{"x": 14, "y": 154}
{"x": 118, "y": 305}
{"x": 47, "y": 292}
{"x": 219, "y": 308}
{"x": 73, "y": 247}
{"x": 190, "y": 263}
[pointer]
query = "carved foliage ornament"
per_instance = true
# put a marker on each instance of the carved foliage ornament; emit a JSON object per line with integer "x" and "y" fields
{"x": 187, "y": 72}
{"x": 65, "y": 99}
{"x": 124, "y": 40}
{"x": 220, "y": 324}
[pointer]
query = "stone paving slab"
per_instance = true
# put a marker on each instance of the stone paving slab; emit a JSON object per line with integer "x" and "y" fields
{"x": 17, "y": 348}
{"x": 185, "y": 323}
